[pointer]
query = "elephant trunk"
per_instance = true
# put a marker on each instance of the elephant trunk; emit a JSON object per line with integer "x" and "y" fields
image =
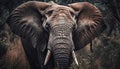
{"x": 61, "y": 53}
{"x": 62, "y": 48}
{"x": 61, "y": 45}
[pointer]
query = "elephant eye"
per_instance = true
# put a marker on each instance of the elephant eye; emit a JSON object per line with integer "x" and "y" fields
{"x": 72, "y": 13}
{"x": 49, "y": 13}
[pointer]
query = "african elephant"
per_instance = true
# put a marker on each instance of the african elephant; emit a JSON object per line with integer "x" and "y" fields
{"x": 51, "y": 33}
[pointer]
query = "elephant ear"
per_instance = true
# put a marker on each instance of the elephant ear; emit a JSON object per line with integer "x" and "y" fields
{"x": 90, "y": 23}
{"x": 26, "y": 21}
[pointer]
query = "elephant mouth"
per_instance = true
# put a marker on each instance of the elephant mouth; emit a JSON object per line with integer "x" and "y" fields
{"x": 61, "y": 46}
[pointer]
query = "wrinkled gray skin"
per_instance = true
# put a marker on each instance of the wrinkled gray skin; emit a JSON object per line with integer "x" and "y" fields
{"x": 56, "y": 28}
{"x": 61, "y": 24}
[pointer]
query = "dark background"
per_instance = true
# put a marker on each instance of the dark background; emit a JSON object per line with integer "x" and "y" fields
{"x": 105, "y": 50}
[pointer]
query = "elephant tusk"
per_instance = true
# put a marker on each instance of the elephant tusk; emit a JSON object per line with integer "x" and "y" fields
{"x": 74, "y": 58}
{"x": 47, "y": 57}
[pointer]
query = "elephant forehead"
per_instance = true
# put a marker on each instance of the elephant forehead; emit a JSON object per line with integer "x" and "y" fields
{"x": 56, "y": 7}
{"x": 61, "y": 30}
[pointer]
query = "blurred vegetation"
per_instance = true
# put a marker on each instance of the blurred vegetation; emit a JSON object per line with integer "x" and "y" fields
{"x": 105, "y": 50}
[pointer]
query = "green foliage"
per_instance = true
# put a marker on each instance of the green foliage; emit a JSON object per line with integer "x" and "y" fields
{"x": 108, "y": 52}
{"x": 3, "y": 43}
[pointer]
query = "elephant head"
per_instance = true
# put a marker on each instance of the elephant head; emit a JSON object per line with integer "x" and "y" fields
{"x": 59, "y": 29}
